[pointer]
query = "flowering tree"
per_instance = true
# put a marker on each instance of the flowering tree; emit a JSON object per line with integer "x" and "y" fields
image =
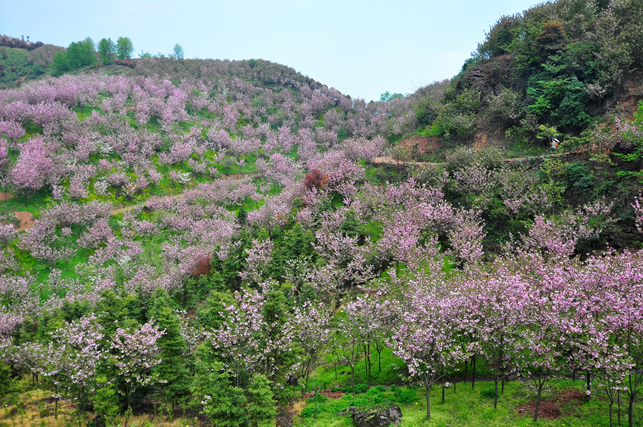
{"x": 79, "y": 355}
{"x": 135, "y": 354}
{"x": 425, "y": 338}
{"x": 311, "y": 334}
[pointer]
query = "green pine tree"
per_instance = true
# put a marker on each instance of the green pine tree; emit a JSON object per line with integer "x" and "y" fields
{"x": 261, "y": 405}
{"x": 172, "y": 369}
{"x": 223, "y": 404}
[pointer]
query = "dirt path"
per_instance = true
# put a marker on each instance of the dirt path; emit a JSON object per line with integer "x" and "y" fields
{"x": 26, "y": 220}
{"x": 392, "y": 161}
{"x": 5, "y": 196}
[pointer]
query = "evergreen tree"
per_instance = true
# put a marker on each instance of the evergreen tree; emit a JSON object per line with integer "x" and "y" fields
{"x": 172, "y": 369}
{"x": 261, "y": 406}
{"x": 223, "y": 404}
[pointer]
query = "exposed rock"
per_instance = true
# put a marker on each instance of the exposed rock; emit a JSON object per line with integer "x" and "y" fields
{"x": 376, "y": 418}
{"x": 292, "y": 381}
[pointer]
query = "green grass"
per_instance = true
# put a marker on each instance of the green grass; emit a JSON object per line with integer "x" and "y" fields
{"x": 33, "y": 204}
{"x": 391, "y": 365}
{"x": 467, "y": 407}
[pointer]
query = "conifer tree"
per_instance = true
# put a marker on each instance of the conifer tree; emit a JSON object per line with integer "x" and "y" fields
{"x": 172, "y": 370}
{"x": 261, "y": 406}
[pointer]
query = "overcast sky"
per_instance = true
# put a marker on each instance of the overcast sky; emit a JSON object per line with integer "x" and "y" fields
{"x": 362, "y": 48}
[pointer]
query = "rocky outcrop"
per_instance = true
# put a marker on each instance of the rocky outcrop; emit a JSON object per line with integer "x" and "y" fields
{"x": 376, "y": 418}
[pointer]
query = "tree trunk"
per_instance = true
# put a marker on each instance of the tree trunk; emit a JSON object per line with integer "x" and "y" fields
{"x": 305, "y": 389}
{"x": 502, "y": 390}
{"x": 473, "y": 373}
{"x": 540, "y": 390}
{"x": 618, "y": 402}
{"x": 443, "y": 387}
{"x": 610, "y": 411}
{"x": 630, "y": 411}
{"x": 589, "y": 385}
{"x": 428, "y": 402}
{"x": 379, "y": 360}
{"x": 495, "y": 399}
{"x": 353, "y": 380}
{"x": 466, "y": 369}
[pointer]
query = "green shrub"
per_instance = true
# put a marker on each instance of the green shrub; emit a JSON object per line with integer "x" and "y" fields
{"x": 489, "y": 393}
{"x": 404, "y": 396}
{"x": 318, "y": 397}
{"x": 359, "y": 388}
{"x": 309, "y": 411}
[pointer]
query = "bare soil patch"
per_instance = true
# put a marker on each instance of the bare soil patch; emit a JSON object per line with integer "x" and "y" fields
{"x": 328, "y": 394}
{"x": 5, "y": 196}
{"x": 26, "y": 219}
{"x": 420, "y": 145}
{"x": 553, "y": 409}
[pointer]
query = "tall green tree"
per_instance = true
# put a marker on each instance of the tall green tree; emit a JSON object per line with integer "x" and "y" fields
{"x": 75, "y": 55}
{"x": 172, "y": 369}
{"x": 124, "y": 48}
{"x": 261, "y": 405}
{"x": 88, "y": 49}
{"x": 60, "y": 64}
{"x": 177, "y": 52}
{"x": 222, "y": 403}
{"x": 107, "y": 51}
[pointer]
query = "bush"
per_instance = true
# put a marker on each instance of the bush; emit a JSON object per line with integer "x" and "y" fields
{"x": 309, "y": 411}
{"x": 489, "y": 393}
{"x": 359, "y": 388}
{"x": 318, "y": 397}
{"x": 404, "y": 396}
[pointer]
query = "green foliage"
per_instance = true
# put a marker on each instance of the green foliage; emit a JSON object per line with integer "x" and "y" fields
{"x": 209, "y": 314}
{"x": 488, "y": 393}
{"x": 5, "y": 378}
{"x": 124, "y": 48}
{"x": 81, "y": 54}
{"x": 16, "y": 66}
{"x": 404, "y": 396}
{"x": 173, "y": 367}
{"x": 457, "y": 118}
{"x": 60, "y": 65}
{"x": 386, "y": 96}
{"x": 580, "y": 177}
{"x": 552, "y": 38}
{"x": 500, "y": 36}
{"x": 261, "y": 406}
{"x": 107, "y": 51}
{"x": 177, "y": 52}
{"x": 223, "y": 404}
{"x": 106, "y": 400}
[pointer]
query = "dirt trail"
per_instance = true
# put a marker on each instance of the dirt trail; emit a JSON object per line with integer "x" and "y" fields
{"x": 390, "y": 161}
{"x": 26, "y": 220}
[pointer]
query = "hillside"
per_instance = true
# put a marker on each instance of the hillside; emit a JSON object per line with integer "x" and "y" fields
{"x": 216, "y": 242}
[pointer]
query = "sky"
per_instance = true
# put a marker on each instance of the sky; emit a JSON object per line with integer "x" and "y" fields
{"x": 361, "y": 48}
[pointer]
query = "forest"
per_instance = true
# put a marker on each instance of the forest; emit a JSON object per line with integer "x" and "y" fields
{"x": 231, "y": 243}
